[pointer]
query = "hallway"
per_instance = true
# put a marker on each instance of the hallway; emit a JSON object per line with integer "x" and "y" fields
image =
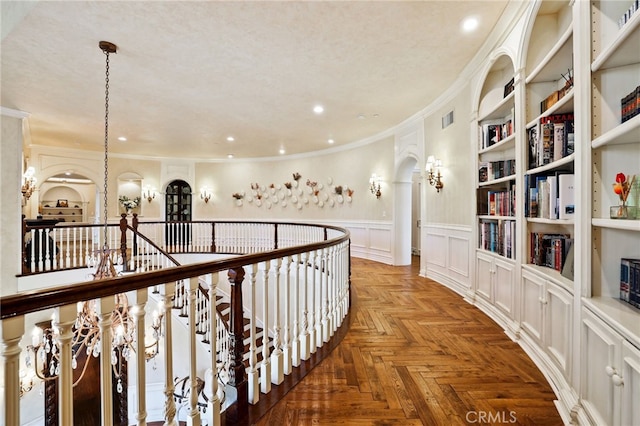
{"x": 417, "y": 354}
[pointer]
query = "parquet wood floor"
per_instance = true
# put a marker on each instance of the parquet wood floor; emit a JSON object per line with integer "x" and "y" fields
{"x": 417, "y": 354}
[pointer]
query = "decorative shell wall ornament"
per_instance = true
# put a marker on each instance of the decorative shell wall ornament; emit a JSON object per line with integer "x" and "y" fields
{"x": 290, "y": 193}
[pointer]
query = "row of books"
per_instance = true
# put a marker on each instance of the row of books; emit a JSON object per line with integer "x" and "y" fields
{"x": 630, "y": 105}
{"x": 491, "y": 170}
{"x": 551, "y": 139}
{"x": 550, "y": 250}
{"x": 494, "y": 131}
{"x": 635, "y": 5}
{"x": 550, "y": 196}
{"x": 498, "y": 236}
{"x": 497, "y": 203}
{"x": 630, "y": 281}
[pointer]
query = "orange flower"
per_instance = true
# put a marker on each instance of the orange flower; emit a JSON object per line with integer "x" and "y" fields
{"x": 623, "y": 185}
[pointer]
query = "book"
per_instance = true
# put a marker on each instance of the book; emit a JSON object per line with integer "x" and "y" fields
{"x": 559, "y": 142}
{"x": 553, "y": 196}
{"x": 532, "y": 137}
{"x": 625, "y": 279}
{"x": 569, "y": 136}
{"x": 483, "y": 171}
{"x": 567, "y": 268}
{"x": 546, "y": 154}
{"x": 566, "y": 196}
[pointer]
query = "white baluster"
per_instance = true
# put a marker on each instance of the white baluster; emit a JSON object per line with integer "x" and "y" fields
{"x": 64, "y": 320}
{"x": 265, "y": 367}
{"x": 277, "y": 362}
{"x": 105, "y": 307}
{"x": 169, "y": 403}
{"x": 252, "y": 375}
{"x": 138, "y": 314}
{"x": 286, "y": 341}
{"x": 304, "y": 326}
{"x": 12, "y": 331}
{"x": 211, "y": 376}
{"x": 324, "y": 271}
{"x": 295, "y": 340}
{"x": 194, "y": 413}
{"x": 311, "y": 269}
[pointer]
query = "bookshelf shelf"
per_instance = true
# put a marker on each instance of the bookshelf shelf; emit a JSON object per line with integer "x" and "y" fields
{"x": 510, "y": 178}
{"x": 501, "y": 109}
{"x": 625, "y": 225}
{"x": 616, "y": 312}
{"x": 546, "y": 272}
{"x": 495, "y": 217}
{"x": 552, "y": 166}
{"x": 505, "y": 145}
{"x": 554, "y": 62}
{"x": 623, "y": 50}
{"x": 625, "y": 133}
{"x": 563, "y": 222}
{"x": 563, "y": 106}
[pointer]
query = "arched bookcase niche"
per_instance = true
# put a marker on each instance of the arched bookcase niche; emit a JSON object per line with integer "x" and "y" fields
{"x": 64, "y": 203}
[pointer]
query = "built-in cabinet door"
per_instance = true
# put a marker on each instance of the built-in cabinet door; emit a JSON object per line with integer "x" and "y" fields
{"x": 557, "y": 316}
{"x": 600, "y": 377}
{"x": 503, "y": 287}
{"x": 532, "y": 304}
{"x": 484, "y": 276}
{"x": 631, "y": 384}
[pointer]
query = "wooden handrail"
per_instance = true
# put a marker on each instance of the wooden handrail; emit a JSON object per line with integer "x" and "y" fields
{"x": 37, "y": 300}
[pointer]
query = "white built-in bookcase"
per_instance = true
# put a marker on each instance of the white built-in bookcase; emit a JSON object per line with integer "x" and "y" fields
{"x": 585, "y": 340}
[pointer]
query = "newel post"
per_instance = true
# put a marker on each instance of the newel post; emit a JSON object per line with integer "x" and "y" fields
{"x": 134, "y": 225}
{"x": 238, "y": 378}
{"x": 123, "y": 239}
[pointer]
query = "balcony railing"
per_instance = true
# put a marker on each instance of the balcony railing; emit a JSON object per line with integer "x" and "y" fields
{"x": 290, "y": 280}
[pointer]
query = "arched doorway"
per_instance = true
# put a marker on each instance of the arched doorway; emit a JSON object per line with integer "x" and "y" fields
{"x": 178, "y": 210}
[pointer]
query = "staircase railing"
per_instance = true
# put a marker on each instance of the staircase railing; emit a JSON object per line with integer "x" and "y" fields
{"x": 300, "y": 273}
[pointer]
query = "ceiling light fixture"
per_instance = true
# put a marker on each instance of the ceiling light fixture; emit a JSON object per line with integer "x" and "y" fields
{"x": 318, "y": 109}
{"x": 230, "y": 139}
{"x": 122, "y": 139}
{"x": 282, "y": 151}
{"x": 331, "y": 141}
{"x": 469, "y": 24}
{"x": 229, "y": 155}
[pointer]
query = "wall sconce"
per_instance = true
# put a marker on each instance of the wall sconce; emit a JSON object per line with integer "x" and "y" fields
{"x": 205, "y": 194}
{"x": 149, "y": 193}
{"x": 434, "y": 179}
{"x": 29, "y": 182}
{"x": 27, "y": 378}
{"x": 374, "y": 185}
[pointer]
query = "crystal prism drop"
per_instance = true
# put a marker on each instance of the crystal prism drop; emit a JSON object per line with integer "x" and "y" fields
{"x": 119, "y": 387}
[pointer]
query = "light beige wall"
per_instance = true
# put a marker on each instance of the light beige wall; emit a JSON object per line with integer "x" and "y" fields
{"x": 453, "y": 205}
{"x": 349, "y": 168}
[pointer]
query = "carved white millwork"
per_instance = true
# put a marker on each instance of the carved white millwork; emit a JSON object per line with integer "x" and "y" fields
{"x": 277, "y": 362}
{"x": 286, "y": 347}
{"x": 325, "y": 295}
{"x": 211, "y": 377}
{"x": 265, "y": 367}
{"x": 12, "y": 331}
{"x": 141, "y": 380}
{"x": 65, "y": 319}
{"x": 252, "y": 374}
{"x": 194, "y": 413}
{"x": 169, "y": 403}
{"x": 312, "y": 303}
{"x": 304, "y": 326}
{"x": 106, "y": 307}
{"x": 295, "y": 340}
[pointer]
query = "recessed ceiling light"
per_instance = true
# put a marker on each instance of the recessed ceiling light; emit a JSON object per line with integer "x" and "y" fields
{"x": 361, "y": 116}
{"x": 318, "y": 109}
{"x": 469, "y": 24}
{"x": 230, "y": 138}
{"x": 122, "y": 139}
{"x": 67, "y": 173}
{"x": 229, "y": 155}
{"x": 282, "y": 151}
{"x": 331, "y": 141}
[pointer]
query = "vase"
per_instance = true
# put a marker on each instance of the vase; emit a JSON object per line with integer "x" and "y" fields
{"x": 623, "y": 211}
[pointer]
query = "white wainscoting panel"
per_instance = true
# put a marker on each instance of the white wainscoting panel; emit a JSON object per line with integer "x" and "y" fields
{"x": 447, "y": 250}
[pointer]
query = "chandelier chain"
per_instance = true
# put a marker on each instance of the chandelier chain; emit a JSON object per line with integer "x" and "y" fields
{"x": 106, "y": 147}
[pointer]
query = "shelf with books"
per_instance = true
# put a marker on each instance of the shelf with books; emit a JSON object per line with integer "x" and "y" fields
{"x": 504, "y": 145}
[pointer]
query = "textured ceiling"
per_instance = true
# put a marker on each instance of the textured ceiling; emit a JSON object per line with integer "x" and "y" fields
{"x": 189, "y": 74}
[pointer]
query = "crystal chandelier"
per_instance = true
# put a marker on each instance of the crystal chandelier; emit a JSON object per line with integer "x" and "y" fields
{"x": 43, "y": 355}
